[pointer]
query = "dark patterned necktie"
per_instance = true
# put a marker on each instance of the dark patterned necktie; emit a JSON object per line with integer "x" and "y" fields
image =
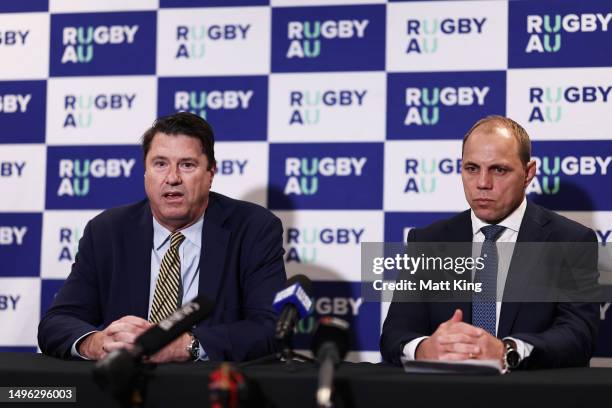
{"x": 165, "y": 299}
{"x": 483, "y": 303}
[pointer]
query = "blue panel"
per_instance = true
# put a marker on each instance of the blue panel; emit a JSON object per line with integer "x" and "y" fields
{"x": 103, "y": 44}
{"x": 236, "y": 107}
{"x": 333, "y": 38}
{"x": 569, "y": 33}
{"x": 442, "y": 105}
{"x": 326, "y": 176}
{"x": 95, "y": 177}
{"x": 20, "y": 238}
{"x": 22, "y": 111}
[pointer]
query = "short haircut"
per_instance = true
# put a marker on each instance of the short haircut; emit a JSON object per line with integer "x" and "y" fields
{"x": 183, "y": 123}
{"x": 524, "y": 148}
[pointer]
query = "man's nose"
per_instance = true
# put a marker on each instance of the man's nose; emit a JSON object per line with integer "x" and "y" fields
{"x": 174, "y": 176}
{"x": 485, "y": 181}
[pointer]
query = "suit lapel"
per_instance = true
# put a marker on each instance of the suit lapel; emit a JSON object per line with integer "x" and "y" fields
{"x": 215, "y": 238}
{"x": 533, "y": 229}
{"x": 138, "y": 243}
{"x": 460, "y": 231}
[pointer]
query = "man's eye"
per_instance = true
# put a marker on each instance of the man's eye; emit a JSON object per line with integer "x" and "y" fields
{"x": 500, "y": 170}
{"x": 159, "y": 164}
{"x": 187, "y": 165}
{"x": 470, "y": 169}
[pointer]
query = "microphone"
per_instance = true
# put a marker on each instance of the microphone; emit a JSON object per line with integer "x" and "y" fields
{"x": 329, "y": 345}
{"x": 293, "y": 303}
{"x": 117, "y": 370}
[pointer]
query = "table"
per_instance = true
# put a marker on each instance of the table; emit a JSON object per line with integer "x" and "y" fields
{"x": 358, "y": 385}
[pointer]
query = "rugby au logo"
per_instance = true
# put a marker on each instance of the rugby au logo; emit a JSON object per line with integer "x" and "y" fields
{"x": 79, "y": 107}
{"x": 550, "y": 168}
{"x": 422, "y": 173}
{"x": 303, "y": 173}
{"x": 198, "y": 101}
{"x": 545, "y": 31}
{"x": 302, "y": 243}
{"x": 423, "y": 34}
{"x": 306, "y": 104}
{"x": 547, "y": 100}
{"x": 192, "y": 39}
{"x": 74, "y": 174}
{"x": 424, "y": 103}
{"x": 305, "y": 36}
{"x": 79, "y": 41}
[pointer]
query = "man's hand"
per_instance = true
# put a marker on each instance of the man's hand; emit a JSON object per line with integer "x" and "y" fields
{"x": 456, "y": 340}
{"x": 175, "y": 351}
{"x": 119, "y": 334}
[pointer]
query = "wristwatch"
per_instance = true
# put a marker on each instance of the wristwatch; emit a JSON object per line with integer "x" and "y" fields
{"x": 194, "y": 347}
{"x": 512, "y": 359}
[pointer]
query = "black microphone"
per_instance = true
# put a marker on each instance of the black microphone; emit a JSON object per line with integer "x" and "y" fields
{"x": 293, "y": 303}
{"x": 329, "y": 345}
{"x": 117, "y": 370}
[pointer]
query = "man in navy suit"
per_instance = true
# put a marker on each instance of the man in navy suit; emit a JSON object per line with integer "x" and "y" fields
{"x": 138, "y": 263}
{"x": 496, "y": 169}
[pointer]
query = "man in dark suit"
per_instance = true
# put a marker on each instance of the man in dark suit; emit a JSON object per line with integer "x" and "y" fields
{"x": 138, "y": 263}
{"x": 496, "y": 169}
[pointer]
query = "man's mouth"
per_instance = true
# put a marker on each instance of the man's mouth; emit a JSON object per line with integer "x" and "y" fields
{"x": 172, "y": 195}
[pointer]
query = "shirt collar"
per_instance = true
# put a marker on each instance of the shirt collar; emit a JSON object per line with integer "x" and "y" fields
{"x": 193, "y": 233}
{"x": 511, "y": 222}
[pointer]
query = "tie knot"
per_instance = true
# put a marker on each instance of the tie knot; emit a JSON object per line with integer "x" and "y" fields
{"x": 492, "y": 232}
{"x": 176, "y": 239}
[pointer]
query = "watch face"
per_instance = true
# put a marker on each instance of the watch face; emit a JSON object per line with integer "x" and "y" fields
{"x": 512, "y": 358}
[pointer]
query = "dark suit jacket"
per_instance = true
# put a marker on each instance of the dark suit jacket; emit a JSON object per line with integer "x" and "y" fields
{"x": 563, "y": 334}
{"x": 241, "y": 269}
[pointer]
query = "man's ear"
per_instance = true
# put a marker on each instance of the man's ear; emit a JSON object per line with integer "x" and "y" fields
{"x": 213, "y": 171}
{"x": 530, "y": 173}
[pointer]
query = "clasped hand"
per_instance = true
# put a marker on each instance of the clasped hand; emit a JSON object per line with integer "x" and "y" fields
{"x": 122, "y": 333}
{"x": 457, "y": 340}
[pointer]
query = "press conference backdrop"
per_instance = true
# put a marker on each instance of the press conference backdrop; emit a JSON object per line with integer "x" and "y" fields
{"x": 343, "y": 117}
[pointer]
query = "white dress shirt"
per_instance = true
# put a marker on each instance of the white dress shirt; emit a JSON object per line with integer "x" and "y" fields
{"x": 512, "y": 223}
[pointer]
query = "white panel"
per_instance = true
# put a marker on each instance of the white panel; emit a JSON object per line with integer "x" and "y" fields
{"x": 19, "y": 311}
{"x": 431, "y": 181}
{"x": 326, "y": 245}
{"x": 24, "y": 46}
{"x": 100, "y": 110}
{"x": 219, "y": 41}
{"x": 242, "y": 170}
{"x": 561, "y": 104}
{"x": 71, "y": 6}
{"x": 447, "y": 36}
{"x": 327, "y": 107}
{"x": 61, "y": 232}
{"x": 22, "y": 177}
{"x": 291, "y": 3}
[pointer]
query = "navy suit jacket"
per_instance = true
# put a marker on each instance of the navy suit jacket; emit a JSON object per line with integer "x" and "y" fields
{"x": 241, "y": 269}
{"x": 563, "y": 334}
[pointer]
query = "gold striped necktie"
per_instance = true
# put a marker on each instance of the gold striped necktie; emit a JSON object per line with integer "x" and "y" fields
{"x": 166, "y": 297}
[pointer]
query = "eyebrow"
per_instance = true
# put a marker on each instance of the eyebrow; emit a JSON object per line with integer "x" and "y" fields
{"x": 471, "y": 163}
{"x": 180, "y": 160}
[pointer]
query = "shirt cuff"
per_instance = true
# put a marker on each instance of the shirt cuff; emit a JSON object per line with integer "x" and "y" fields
{"x": 409, "y": 350}
{"x": 202, "y": 356}
{"x": 73, "y": 349}
{"x": 524, "y": 349}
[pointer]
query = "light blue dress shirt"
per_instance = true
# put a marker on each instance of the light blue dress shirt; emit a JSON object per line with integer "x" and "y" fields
{"x": 189, "y": 254}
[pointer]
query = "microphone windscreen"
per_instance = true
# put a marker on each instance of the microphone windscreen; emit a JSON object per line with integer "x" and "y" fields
{"x": 331, "y": 330}
{"x": 174, "y": 325}
{"x": 297, "y": 292}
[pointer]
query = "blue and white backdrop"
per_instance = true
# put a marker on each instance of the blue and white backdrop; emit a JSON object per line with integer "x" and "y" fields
{"x": 343, "y": 117}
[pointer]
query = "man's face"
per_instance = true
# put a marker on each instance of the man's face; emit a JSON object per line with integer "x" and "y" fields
{"x": 177, "y": 181}
{"x": 494, "y": 178}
